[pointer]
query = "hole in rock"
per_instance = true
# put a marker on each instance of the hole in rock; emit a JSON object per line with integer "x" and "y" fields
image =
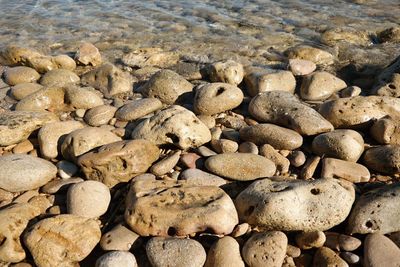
{"x": 369, "y": 224}
{"x": 392, "y": 86}
{"x": 315, "y": 191}
{"x": 220, "y": 91}
{"x": 250, "y": 210}
{"x": 171, "y": 231}
{"x": 174, "y": 138}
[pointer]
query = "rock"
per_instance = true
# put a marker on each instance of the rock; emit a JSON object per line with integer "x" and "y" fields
{"x": 350, "y": 91}
{"x": 59, "y": 77}
{"x": 117, "y": 259}
{"x": 349, "y": 35}
{"x": 176, "y": 252}
{"x": 339, "y": 242}
{"x": 82, "y": 97}
{"x": 327, "y": 257}
{"x": 385, "y": 159}
{"x": 342, "y": 144}
{"x": 226, "y": 72}
{"x": 173, "y": 125}
{"x": 341, "y": 169}
{"x": 309, "y": 240}
{"x": 358, "y": 111}
{"x": 18, "y": 75}
{"x": 283, "y": 108}
{"x": 167, "y": 86}
{"x": 208, "y": 120}
{"x": 276, "y": 136}
{"x": 118, "y": 238}
{"x": 349, "y": 257}
{"x": 14, "y": 55}
{"x": 88, "y": 199}
{"x": 118, "y": 161}
{"x": 46, "y": 99}
{"x": 23, "y": 147}
{"x": 88, "y": 54}
{"x": 191, "y": 160}
{"x": 51, "y": 135}
{"x": 293, "y": 251}
{"x": 248, "y": 147}
{"x": 145, "y": 57}
{"x": 224, "y": 146}
{"x": 281, "y": 163}
{"x": 215, "y": 98}
{"x": 372, "y": 212}
{"x": 390, "y": 35}
{"x": 266, "y": 80}
{"x": 63, "y": 62}
{"x": 380, "y": 251}
{"x": 166, "y": 164}
{"x": 386, "y": 130}
{"x": 59, "y": 185}
{"x": 99, "y": 115}
{"x": 63, "y": 240}
{"x": 224, "y": 252}
{"x": 66, "y": 169}
{"x": 240, "y": 166}
{"x": 297, "y": 158}
{"x": 109, "y": 80}
{"x": 320, "y": 85}
{"x": 395, "y": 237}
{"x": 294, "y": 205}
{"x": 22, "y": 90}
{"x": 301, "y": 67}
{"x": 313, "y": 54}
{"x": 16, "y": 126}
{"x": 265, "y": 249}
{"x": 138, "y": 109}
{"x": 169, "y": 208}
{"x": 21, "y": 172}
{"x": 201, "y": 178}
{"x": 388, "y": 81}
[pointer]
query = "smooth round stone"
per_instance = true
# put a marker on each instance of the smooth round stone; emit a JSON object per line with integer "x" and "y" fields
{"x": 301, "y": 67}
{"x": 297, "y": 158}
{"x": 282, "y": 163}
{"x": 385, "y": 159}
{"x": 64, "y": 62}
{"x": 306, "y": 52}
{"x": 224, "y": 146}
{"x": 88, "y": 199}
{"x": 224, "y": 252}
{"x": 351, "y": 171}
{"x": 349, "y": 257}
{"x": 166, "y": 164}
{"x": 240, "y": 166}
{"x": 175, "y": 252}
{"x": 118, "y": 238}
{"x": 23, "y": 147}
{"x": 308, "y": 240}
{"x": 215, "y": 98}
{"x": 320, "y": 85}
{"x": 99, "y": 115}
{"x": 259, "y": 80}
{"x": 24, "y": 172}
{"x": 59, "y": 77}
{"x": 22, "y": 90}
{"x": 265, "y": 249}
{"x": 327, "y": 257}
{"x": 17, "y": 75}
{"x": 46, "y": 99}
{"x": 201, "y": 178}
{"x": 138, "y": 109}
{"x": 350, "y": 91}
{"x": 337, "y": 35}
{"x": 82, "y": 97}
{"x": 339, "y": 242}
{"x": 227, "y": 72}
{"x": 117, "y": 259}
{"x": 379, "y": 250}
{"x": 248, "y": 147}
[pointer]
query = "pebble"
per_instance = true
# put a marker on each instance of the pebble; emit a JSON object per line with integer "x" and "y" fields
{"x": 201, "y": 178}
{"x": 350, "y": 91}
{"x": 293, "y": 251}
{"x": 153, "y": 56}
{"x": 47, "y": 99}
{"x": 241, "y": 229}
{"x": 282, "y": 164}
{"x": 248, "y": 147}
{"x": 227, "y": 72}
{"x": 23, "y": 147}
{"x": 337, "y": 35}
{"x": 99, "y": 115}
{"x": 117, "y": 259}
{"x": 224, "y": 252}
{"x": 208, "y": 120}
{"x": 205, "y": 151}
{"x": 309, "y": 168}
{"x": 59, "y": 185}
{"x": 118, "y": 238}
{"x": 309, "y": 240}
{"x": 327, "y": 257}
{"x": 316, "y": 55}
{"x": 341, "y": 169}
{"x": 320, "y": 85}
{"x": 166, "y": 164}
{"x": 380, "y": 251}
{"x": 175, "y": 252}
{"x": 340, "y": 242}
{"x": 22, "y": 90}
{"x": 138, "y": 109}
{"x": 88, "y": 54}
{"x": 386, "y": 130}
{"x": 387, "y": 82}
{"x": 224, "y": 146}
{"x": 66, "y": 169}
{"x": 301, "y": 67}
{"x": 82, "y": 97}
{"x": 297, "y": 158}
{"x": 191, "y": 160}
{"x": 59, "y": 77}
{"x": 21, "y": 74}
{"x": 349, "y": 257}
{"x": 266, "y": 80}
{"x": 384, "y": 159}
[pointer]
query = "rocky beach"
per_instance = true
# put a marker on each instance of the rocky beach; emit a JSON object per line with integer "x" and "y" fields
{"x": 265, "y": 146}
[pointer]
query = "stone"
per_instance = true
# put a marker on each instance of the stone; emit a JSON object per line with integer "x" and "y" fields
{"x": 386, "y": 130}
{"x": 21, "y": 74}
{"x": 208, "y": 120}
{"x": 166, "y": 164}
{"x": 117, "y": 259}
{"x": 59, "y": 185}
{"x": 109, "y": 80}
{"x": 59, "y": 77}
{"x": 265, "y": 249}
{"x": 380, "y": 251}
{"x": 118, "y": 238}
{"x": 88, "y": 199}
{"x": 191, "y": 160}
{"x": 23, "y": 147}
{"x": 63, "y": 240}
{"x": 173, "y": 125}
{"x": 22, "y": 90}
{"x": 349, "y": 257}
{"x": 66, "y": 169}
{"x": 235, "y": 122}
{"x": 359, "y": 111}
{"x": 224, "y": 252}
{"x": 167, "y": 86}
{"x": 63, "y": 62}
{"x": 384, "y": 159}
{"x": 342, "y": 144}
{"x": 297, "y": 158}
{"x": 295, "y": 205}
{"x": 99, "y": 115}
{"x": 341, "y": 169}
{"x": 301, "y": 67}
{"x": 390, "y": 35}
{"x": 388, "y": 81}
{"x": 395, "y": 237}
{"x": 201, "y": 178}
{"x": 176, "y": 208}
{"x": 16, "y": 126}
{"x": 88, "y": 54}
{"x": 51, "y": 136}
{"x": 14, "y": 55}
{"x": 82, "y": 97}
{"x": 350, "y": 91}
{"x": 316, "y": 55}
{"x": 45, "y": 99}
{"x": 320, "y": 85}
{"x": 118, "y": 161}
{"x": 327, "y": 257}
{"x": 274, "y": 135}
{"x": 82, "y": 140}
{"x": 138, "y": 109}
{"x": 224, "y": 146}
{"x": 309, "y": 240}
{"x": 226, "y": 72}
{"x": 248, "y": 147}
{"x": 340, "y": 242}
{"x": 206, "y": 152}
{"x": 293, "y": 251}
{"x": 335, "y": 36}
{"x": 240, "y": 166}
{"x": 373, "y": 211}
{"x": 20, "y": 172}
{"x": 168, "y": 251}
{"x": 150, "y": 56}
{"x": 282, "y": 164}
{"x": 284, "y": 109}
{"x": 214, "y": 98}
{"x": 266, "y": 80}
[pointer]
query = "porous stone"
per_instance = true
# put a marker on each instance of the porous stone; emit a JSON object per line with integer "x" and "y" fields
{"x": 341, "y": 169}
{"x": 99, "y": 115}
{"x": 388, "y": 81}
{"x": 59, "y": 77}
{"x": 117, "y": 259}
{"x": 390, "y": 35}
{"x": 22, "y": 90}
{"x": 88, "y": 54}
{"x": 309, "y": 240}
{"x": 294, "y": 205}
{"x": 301, "y": 67}
{"x": 327, "y": 257}
{"x": 320, "y": 85}
{"x": 82, "y": 97}
{"x": 340, "y": 242}
{"x": 380, "y": 251}
{"x": 386, "y": 130}
{"x": 227, "y": 72}
{"x": 283, "y": 108}
{"x": 138, "y": 109}
{"x": 282, "y": 164}
{"x": 385, "y": 159}
{"x": 21, "y": 74}
{"x": 201, "y": 178}
{"x": 118, "y": 238}
{"x": 265, "y": 80}
{"x": 316, "y": 55}
{"x": 224, "y": 252}
{"x": 335, "y": 36}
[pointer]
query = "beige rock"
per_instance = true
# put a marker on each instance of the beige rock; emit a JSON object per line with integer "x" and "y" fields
{"x": 166, "y": 164}
{"x": 385, "y": 159}
{"x": 313, "y": 54}
{"x": 297, "y": 158}
{"x": 386, "y": 130}
{"x": 117, "y": 259}
{"x": 350, "y": 91}
{"x": 276, "y": 136}
{"x": 227, "y": 72}
{"x": 293, "y": 205}
{"x": 282, "y": 164}
{"x": 21, "y": 172}
{"x": 119, "y": 161}
{"x": 301, "y": 67}
{"x": 138, "y": 109}
{"x": 327, "y": 257}
{"x": 82, "y": 97}
{"x": 208, "y": 120}
{"x": 225, "y": 252}
{"x": 380, "y": 251}
{"x": 224, "y": 146}
{"x": 145, "y": 57}
{"x": 14, "y": 55}
{"x": 320, "y": 85}
{"x": 293, "y": 251}
{"x": 240, "y": 166}
{"x": 341, "y": 169}
{"x": 373, "y": 211}
{"x": 248, "y": 147}
{"x": 308, "y": 240}
{"x": 23, "y": 147}
{"x": 118, "y": 238}
{"x": 309, "y": 168}
{"x": 88, "y": 54}
{"x": 265, "y": 249}
{"x": 339, "y": 242}
{"x": 22, "y": 90}
{"x": 177, "y": 252}
{"x": 63, "y": 62}
{"x": 283, "y": 108}
{"x": 45, "y": 99}
{"x": 388, "y": 81}
{"x": 59, "y": 185}
{"x": 99, "y": 115}
{"x": 201, "y": 178}
{"x": 265, "y": 80}
{"x": 51, "y": 135}
{"x": 349, "y": 35}
{"x": 173, "y": 125}
{"x": 18, "y": 75}
{"x": 169, "y": 208}
{"x": 59, "y": 77}
{"x": 63, "y": 240}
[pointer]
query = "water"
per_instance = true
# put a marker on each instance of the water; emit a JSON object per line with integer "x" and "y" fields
{"x": 221, "y": 29}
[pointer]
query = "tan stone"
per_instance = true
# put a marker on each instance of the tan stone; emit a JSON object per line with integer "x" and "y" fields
{"x": 201, "y": 178}
{"x": 59, "y": 77}
{"x": 380, "y": 251}
{"x": 301, "y": 67}
{"x": 59, "y": 185}
{"x": 225, "y": 252}
{"x": 88, "y": 54}
{"x": 316, "y": 55}
{"x": 18, "y": 75}
{"x": 391, "y": 35}
{"x": 388, "y": 81}
{"x": 23, "y": 147}
{"x": 138, "y": 109}
{"x": 327, "y": 257}
{"x": 339, "y": 242}
{"x": 166, "y": 164}
{"x": 145, "y": 57}
{"x": 386, "y": 130}
{"x": 265, "y": 80}
{"x": 320, "y": 85}
{"x": 297, "y": 158}
{"x": 227, "y": 72}
{"x": 224, "y": 146}
{"x": 116, "y": 259}
{"x": 45, "y": 99}
{"x": 22, "y": 90}
{"x": 349, "y": 35}
{"x": 341, "y": 169}
{"x": 82, "y": 97}
{"x": 64, "y": 62}
{"x": 118, "y": 238}
{"x": 385, "y": 159}
{"x": 99, "y": 115}
{"x": 308, "y": 240}
{"x": 282, "y": 164}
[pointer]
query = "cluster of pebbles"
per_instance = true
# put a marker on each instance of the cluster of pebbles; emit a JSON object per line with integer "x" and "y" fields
{"x": 171, "y": 163}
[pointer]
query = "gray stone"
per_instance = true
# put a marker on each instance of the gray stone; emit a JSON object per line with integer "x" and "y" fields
{"x": 117, "y": 259}
{"x": 380, "y": 251}
{"x": 320, "y": 85}
{"x": 385, "y": 159}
